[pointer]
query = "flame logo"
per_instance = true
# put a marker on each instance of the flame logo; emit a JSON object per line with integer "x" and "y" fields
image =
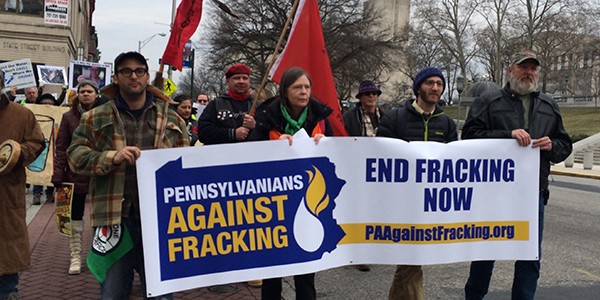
{"x": 308, "y": 229}
{"x": 316, "y": 197}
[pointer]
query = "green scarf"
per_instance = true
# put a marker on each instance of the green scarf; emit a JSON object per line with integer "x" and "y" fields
{"x": 292, "y": 126}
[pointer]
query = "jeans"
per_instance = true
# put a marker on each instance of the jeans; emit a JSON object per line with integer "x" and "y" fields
{"x": 525, "y": 277}
{"x": 8, "y": 284}
{"x": 119, "y": 277}
{"x": 304, "y": 284}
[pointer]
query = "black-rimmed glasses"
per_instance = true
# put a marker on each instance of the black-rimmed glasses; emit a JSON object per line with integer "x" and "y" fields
{"x": 139, "y": 72}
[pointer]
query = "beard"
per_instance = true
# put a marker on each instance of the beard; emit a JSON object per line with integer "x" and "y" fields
{"x": 521, "y": 87}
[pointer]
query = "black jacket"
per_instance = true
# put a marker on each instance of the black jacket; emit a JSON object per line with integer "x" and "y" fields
{"x": 353, "y": 121}
{"x": 409, "y": 125}
{"x": 497, "y": 114}
{"x": 268, "y": 116}
{"x": 220, "y": 118}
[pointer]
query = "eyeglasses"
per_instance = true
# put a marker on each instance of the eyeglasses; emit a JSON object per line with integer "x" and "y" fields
{"x": 139, "y": 72}
{"x": 432, "y": 82}
{"x": 202, "y": 101}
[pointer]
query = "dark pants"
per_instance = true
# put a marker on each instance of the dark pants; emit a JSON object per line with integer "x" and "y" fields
{"x": 525, "y": 277}
{"x": 119, "y": 277}
{"x": 304, "y": 284}
{"x": 37, "y": 190}
{"x": 78, "y": 206}
{"x": 8, "y": 284}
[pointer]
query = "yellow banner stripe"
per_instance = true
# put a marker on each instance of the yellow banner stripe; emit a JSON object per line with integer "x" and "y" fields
{"x": 443, "y": 233}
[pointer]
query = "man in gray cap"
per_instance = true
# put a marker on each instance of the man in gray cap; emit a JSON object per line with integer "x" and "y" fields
{"x": 521, "y": 112}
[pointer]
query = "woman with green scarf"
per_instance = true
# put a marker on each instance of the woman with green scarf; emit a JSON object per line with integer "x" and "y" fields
{"x": 295, "y": 108}
{"x": 280, "y": 118}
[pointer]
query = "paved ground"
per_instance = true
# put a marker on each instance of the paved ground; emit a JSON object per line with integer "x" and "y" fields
{"x": 48, "y": 277}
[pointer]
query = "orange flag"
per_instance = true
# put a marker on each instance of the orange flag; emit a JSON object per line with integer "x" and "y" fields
{"x": 305, "y": 49}
{"x": 185, "y": 24}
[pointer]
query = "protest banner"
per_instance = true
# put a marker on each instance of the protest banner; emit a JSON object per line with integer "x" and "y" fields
{"x": 18, "y": 73}
{"x": 230, "y": 213}
{"x": 82, "y": 70}
{"x": 39, "y": 172}
{"x": 62, "y": 208}
{"x": 52, "y": 75}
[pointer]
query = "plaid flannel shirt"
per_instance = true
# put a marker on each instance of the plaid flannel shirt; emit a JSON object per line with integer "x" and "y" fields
{"x": 100, "y": 135}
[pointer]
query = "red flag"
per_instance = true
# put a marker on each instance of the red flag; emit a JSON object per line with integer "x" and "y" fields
{"x": 186, "y": 21}
{"x": 305, "y": 48}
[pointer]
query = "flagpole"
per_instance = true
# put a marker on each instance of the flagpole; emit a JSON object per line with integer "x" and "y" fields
{"x": 274, "y": 56}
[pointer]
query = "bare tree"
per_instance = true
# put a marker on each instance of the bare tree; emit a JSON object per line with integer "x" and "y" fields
{"x": 356, "y": 51}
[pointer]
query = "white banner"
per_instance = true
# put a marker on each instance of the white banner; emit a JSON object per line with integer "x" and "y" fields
{"x": 230, "y": 213}
{"x": 52, "y": 75}
{"x": 18, "y": 73}
{"x": 83, "y": 70}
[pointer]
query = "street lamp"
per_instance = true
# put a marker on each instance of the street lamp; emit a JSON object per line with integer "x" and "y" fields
{"x": 460, "y": 86}
{"x": 143, "y": 43}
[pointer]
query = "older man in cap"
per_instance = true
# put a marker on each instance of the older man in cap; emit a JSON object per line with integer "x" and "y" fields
{"x": 363, "y": 119}
{"x": 519, "y": 111}
{"x": 419, "y": 120}
{"x": 226, "y": 118}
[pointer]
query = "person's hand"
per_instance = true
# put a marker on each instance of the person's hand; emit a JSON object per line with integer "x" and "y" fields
{"x": 544, "y": 143}
{"x": 13, "y": 91}
{"x": 318, "y": 137}
{"x": 241, "y": 133}
{"x": 249, "y": 121}
{"x": 128, "y": 155}
{"x": 522, "y": 137}
{"x": 287, "y": 137}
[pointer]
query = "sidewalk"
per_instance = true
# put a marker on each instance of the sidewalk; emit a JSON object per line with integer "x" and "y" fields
{"x": 576, "y": 171}
{"x": 48, "y": 278}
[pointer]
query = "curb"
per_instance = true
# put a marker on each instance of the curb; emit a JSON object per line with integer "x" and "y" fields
{"x": 575, "y": 174}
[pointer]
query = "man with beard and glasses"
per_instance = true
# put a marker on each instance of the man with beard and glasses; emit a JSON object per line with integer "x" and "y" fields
{"x": 419, "y": 120}
{"x": 519, "y": 111}
{"x": 105, "y": 147}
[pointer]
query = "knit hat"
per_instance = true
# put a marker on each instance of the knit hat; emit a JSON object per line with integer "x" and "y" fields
{"x": 368, "y": 86}
{"x": 237, "y": 69}
{"x": 524, "y": 55}
{"x": 87, "y": 82}
{"x": 426, "y": 73}
{"x": 46, "y": 97}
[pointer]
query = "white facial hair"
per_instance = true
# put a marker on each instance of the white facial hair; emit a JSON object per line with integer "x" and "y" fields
{"x": 520, "y": 87}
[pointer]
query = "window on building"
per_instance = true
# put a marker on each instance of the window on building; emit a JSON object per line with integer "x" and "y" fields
{"x": 25, "y": 7}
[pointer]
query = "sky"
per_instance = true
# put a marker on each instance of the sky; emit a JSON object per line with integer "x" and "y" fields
{"x": 121, "y": 25}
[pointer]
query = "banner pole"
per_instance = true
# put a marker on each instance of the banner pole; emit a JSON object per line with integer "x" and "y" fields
{"x": 274, "y": 56}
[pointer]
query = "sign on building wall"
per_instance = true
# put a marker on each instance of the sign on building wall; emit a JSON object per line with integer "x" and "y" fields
{"x": 56, "y": 12}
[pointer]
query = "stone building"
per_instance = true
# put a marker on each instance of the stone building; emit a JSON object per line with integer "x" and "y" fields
{"x": 395, "y": 15}
{"x": 32, "y": 29}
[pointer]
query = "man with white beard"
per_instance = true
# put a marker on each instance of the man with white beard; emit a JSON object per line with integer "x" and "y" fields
{"x": 518, "y": 111}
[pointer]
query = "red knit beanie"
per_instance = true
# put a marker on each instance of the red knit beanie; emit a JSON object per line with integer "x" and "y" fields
{"x": 237, "y": 69}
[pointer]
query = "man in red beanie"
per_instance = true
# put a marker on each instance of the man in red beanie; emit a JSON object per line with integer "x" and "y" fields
{"x": 226, "y": 119}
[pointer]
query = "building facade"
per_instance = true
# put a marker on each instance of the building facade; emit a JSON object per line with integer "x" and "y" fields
{"x": 26, "y": 33}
